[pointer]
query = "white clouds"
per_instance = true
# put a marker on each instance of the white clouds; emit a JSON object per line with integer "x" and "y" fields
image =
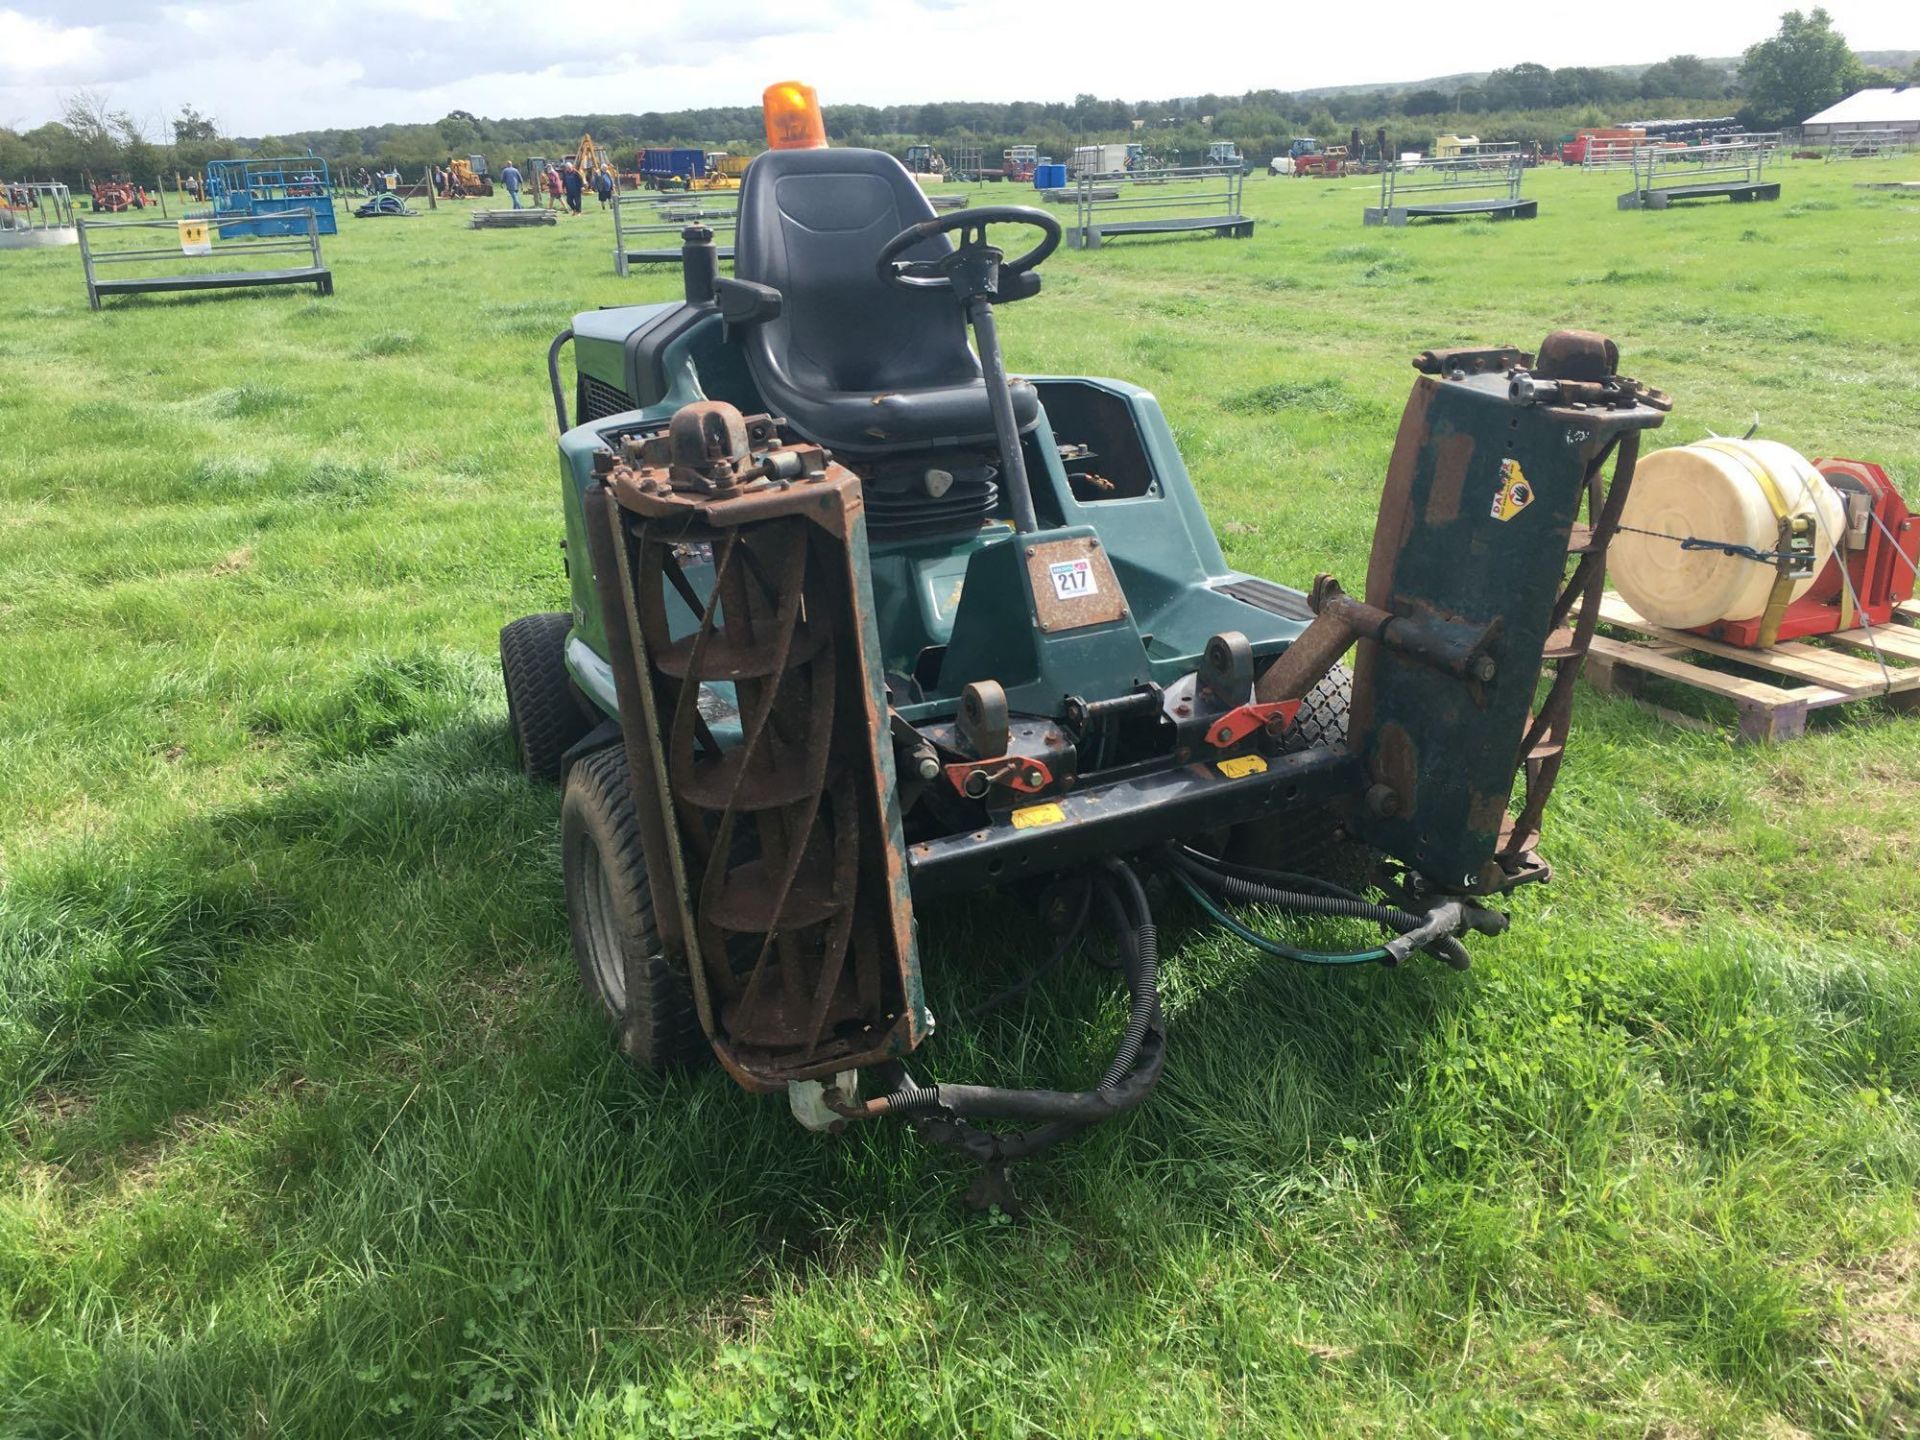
{"x": 264, "y": 66}
{"x": 36, "y": 47}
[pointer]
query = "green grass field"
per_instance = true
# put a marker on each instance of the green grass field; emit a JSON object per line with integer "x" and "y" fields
{"x": 305, "y": 1129}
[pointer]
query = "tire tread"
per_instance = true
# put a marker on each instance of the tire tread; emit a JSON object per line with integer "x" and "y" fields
{"x": 542, "y": 713}
{"x": 660, "y": 1027}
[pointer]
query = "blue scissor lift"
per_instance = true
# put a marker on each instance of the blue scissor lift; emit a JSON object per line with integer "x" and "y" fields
{"x": 271, "y": 197}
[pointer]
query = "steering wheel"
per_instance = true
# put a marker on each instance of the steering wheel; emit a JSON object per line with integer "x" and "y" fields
{"x": 969, "y": 253}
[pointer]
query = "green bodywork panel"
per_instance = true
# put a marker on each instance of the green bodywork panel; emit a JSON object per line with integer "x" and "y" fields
{"x": 964, "y": 592}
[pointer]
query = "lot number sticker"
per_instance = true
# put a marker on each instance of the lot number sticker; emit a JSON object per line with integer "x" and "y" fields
{"x": 1073, "y": 579}
{"x": 194, "y": 239}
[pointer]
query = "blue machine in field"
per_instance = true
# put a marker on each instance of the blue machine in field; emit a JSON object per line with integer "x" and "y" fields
{"x": 255, "y": 197}
{"x": 673, "y": 167}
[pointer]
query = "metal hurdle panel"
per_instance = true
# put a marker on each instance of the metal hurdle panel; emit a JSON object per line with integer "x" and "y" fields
{"x": 1664, "y": 174}
{"x": 641, "y": 222}
{"x": 36, "y": 213}
{"x": 269, "y": 197}
{"x": 221, "y": 251}
{"x": 1610, "y": 153}
{"x": 1197, "y": 199}
{"x": 1868, "y": 144}
{"x": 1452, "y": 189}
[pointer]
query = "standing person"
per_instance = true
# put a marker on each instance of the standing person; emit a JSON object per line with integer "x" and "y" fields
{"x": 574, "y": 183}
{"x": 553, "y": 188}
{"x": 510, "y": 177}
{"x": 603, "y": 186}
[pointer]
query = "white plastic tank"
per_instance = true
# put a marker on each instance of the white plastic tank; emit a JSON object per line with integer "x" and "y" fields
{"x": 1716, "y": 490}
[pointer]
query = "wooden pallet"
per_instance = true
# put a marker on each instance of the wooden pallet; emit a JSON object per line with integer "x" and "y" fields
{"x": 1787, "y": 682}
{"x": 511, "y": 219}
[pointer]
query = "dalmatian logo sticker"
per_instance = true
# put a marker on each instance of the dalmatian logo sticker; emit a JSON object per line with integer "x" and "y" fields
{"x": 1514, "y": 494}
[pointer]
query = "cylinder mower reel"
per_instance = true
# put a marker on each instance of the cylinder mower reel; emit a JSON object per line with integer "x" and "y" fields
{"x": 819, "y": 692}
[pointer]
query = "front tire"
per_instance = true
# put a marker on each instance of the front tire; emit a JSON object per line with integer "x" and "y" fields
{"x": 542, "y": 714}
{"x": 610, "y": 908}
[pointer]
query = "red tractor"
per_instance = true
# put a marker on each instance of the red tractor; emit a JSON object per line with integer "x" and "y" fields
{"x": 113, "y": 196}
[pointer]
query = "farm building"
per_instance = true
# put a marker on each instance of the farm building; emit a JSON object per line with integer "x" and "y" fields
{"x": 1897, "y": 109}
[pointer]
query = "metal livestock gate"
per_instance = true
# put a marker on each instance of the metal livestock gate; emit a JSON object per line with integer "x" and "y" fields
{"x": 659, "y": 218}
{"x": 1199, "y": 199}
{"x": 1662, "y": 175}
{"x": 223, "y": 250}
{"x": 1610, "y": 152}
{"x": 1868, "y": 144}
{"x": 1452, "y": 189}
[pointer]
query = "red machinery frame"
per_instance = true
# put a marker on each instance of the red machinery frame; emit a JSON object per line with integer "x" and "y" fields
{"x": 1880, "y": 551}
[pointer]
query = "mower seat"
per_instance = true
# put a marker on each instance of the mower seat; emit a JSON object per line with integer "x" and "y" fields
{"x": 852, "y": 362}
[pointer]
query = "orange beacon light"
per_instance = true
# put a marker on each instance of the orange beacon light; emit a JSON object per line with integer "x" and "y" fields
{"x": 793, "y": 117}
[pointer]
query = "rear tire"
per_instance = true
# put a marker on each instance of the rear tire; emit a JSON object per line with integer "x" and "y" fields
{"x": 610, "y": 910}
{"x": 541, "y": 711}
{"x": 1312, "y": 841}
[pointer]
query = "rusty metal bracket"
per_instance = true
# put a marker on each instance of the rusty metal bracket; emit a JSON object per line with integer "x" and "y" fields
{"x": 976, "y": 779}
{"x": 1228, "y": 730}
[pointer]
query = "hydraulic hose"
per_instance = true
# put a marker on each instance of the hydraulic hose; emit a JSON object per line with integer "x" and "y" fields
{"x": 1143, "y": 975}
{"x": 1274, "y": 947}
{"x": 944, "y": 1109}
{"x": 1429, "y": 932}
{"x": 1246, "y": 892}
{"x": 1280, "y": 879}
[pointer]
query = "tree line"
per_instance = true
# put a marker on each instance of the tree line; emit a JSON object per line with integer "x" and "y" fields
{"x": 1803, "y": 67}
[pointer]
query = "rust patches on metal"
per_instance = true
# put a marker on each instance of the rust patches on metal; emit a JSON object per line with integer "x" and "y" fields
{"x": 1468, "y": 360}
{"x": 1073, "y": 584}
{"x": 1394, "y": 526}
{"x": 1584, "y": 356}
{"x": 1452, "y": 455}
{"x": 1396, "y": 765}
{"x": 805, "y": 954}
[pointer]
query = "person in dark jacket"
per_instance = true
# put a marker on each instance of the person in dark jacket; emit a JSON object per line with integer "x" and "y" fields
{"x": 603, "y": 186}
{"x": 574, "y": 183}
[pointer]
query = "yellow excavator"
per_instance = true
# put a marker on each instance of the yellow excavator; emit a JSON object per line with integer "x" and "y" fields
{"x": 467, "y": 175}
{"x": 589, "y": 156}
{"x": 724, "y": 171}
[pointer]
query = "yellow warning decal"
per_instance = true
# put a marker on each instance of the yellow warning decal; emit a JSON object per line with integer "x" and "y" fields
{"x": 1514, "y": 494}
{"x": 1242, "y": 766}
{"x": 1033, "y": 816}
{"x": 194, "y": 239}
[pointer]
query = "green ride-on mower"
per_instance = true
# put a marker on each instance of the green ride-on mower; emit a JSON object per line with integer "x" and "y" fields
{"x": 858, "y": 623}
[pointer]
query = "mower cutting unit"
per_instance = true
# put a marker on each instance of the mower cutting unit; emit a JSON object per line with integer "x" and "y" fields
{"x": 859, "y": 623}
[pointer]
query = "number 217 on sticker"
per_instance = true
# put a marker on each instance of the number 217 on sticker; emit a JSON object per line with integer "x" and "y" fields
{"x": 1072, "y": 579}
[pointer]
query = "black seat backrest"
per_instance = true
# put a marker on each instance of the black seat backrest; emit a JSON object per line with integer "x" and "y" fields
{"x": 811, "y": 224}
